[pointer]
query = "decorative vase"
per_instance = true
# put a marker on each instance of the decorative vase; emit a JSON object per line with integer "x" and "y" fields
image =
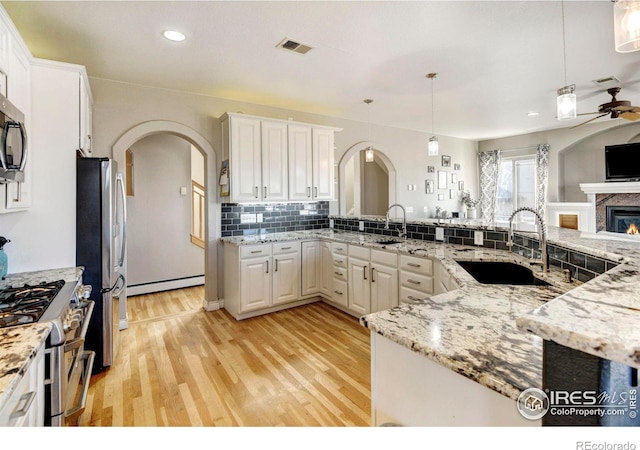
{"x": 472, "y": 213}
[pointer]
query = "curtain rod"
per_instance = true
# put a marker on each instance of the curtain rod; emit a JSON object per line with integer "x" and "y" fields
{"x": 531, "y": 147}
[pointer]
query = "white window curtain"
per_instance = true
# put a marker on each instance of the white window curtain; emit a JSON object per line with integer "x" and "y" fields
{"x": 542, "y": 177}
{"x": 489, "y": 166}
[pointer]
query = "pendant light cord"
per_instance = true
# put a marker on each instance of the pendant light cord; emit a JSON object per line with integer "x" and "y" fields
{"x": 564, "y": 46}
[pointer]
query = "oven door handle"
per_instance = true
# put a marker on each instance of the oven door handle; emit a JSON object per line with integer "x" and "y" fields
{"x": 74, "y": 344}
{"x": 74, "y": 412}
{"x": 87, "y": 317}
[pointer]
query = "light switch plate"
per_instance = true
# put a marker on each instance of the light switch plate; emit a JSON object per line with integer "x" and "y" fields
{"x": 409, "y": 209}
{"x": 259, "y": 217}
{"x": 247, "y": 218}
{"x": 439, "y": 234}
{"x": 330, "y": 223}
{"x": 478, "y": 238}
{"x": 361, "y": 225}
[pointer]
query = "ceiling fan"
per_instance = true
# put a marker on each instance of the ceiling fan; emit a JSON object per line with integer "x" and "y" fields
{"x": 616, "y": 108}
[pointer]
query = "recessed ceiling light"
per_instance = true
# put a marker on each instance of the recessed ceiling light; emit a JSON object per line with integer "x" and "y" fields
{"x": 533, "y": 113}
{"x": 174, "y": 35}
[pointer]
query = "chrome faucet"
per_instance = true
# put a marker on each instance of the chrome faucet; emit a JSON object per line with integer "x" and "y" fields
{"x": 542, "y": 234}
{"x": 403, "y": 233}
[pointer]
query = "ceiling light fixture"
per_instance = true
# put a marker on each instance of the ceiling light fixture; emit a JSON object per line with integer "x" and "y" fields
{"x": 368, "y": 154}
{"x": 566, "y": 101}
{"x": 433, "y": 147}
{"x": 174, "y": 35}
{"x": 626, "y": 23}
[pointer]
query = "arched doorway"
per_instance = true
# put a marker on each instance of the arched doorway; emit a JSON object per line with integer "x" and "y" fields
{"x": 366, "y": 188}
{"x": 211, "y": 207}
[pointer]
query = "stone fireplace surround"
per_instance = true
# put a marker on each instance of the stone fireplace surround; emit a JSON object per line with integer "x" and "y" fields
{"x": 601, "y": 195}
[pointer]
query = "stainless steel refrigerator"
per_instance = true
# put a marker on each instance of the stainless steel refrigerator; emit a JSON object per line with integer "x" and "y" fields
{"x": 100, "y": 244}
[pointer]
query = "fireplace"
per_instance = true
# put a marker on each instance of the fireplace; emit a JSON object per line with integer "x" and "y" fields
{"x": 623, "y": 219}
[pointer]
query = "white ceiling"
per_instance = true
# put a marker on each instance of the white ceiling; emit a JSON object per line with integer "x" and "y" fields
{"x": 496, "y": 60}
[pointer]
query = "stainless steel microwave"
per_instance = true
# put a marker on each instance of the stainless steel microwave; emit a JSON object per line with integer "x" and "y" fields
{"x": 13, "y": 142}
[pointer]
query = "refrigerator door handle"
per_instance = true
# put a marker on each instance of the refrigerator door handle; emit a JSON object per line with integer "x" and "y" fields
{"x": 123, "y": 240}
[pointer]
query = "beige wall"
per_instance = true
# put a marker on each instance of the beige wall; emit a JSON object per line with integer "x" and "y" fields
{"x": 575, "y": 155}
{"x": 159, "y": 217}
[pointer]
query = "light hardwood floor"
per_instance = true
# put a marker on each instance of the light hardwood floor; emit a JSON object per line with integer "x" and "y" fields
{"x": 179, "y": 365}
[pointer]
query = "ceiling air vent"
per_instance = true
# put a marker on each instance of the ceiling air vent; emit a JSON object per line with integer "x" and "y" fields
{"x": 605, "y": 80}
{"x": 294, "y": 46}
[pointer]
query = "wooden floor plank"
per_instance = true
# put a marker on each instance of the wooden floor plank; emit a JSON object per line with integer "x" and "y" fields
{"x": 179, "y": 365}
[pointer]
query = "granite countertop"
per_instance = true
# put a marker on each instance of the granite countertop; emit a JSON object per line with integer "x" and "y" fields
{"x": 19, "y": 344}
{"x": 492, "y": 333}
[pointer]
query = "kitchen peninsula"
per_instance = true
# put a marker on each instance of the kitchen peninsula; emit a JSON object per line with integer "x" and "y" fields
{"x": 489, "y": 338}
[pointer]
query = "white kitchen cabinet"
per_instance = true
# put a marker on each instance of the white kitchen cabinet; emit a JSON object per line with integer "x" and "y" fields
{"x": 258, "y": 158}
{"x": 326, "y": 270}
{"x": 384, "y": 280}
{"x": 416, "y": 278}
{"x": 16, "y": 196}
{"x": 311, "y": 268}
{"x": 443, "y": 281}
{"x": 26, "y": 406}
{"x": 340, "y": 274}
{"x": 311, "y": 163}
{"x": 261, "y": 278}
{"x": 85, "y": 139}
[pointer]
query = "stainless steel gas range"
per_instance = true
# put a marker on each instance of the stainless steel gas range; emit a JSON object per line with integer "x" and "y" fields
{"x": 68, "y": 365}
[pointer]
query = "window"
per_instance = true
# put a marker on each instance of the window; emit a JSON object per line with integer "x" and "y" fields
{"x": 516, "y": 187}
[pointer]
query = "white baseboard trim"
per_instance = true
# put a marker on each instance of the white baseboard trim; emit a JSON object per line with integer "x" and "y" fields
{"x": 164, "y": 286}
{"x": 213, "y": 305}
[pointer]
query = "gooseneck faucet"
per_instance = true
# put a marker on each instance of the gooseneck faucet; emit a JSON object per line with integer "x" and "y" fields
{"x": 542, "y": 234}
{"x": 403, "y": 233}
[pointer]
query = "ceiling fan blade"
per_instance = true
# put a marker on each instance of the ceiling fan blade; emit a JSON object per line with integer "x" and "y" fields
{"x": 630, "y": 115}
{"x": 590, "y": 120}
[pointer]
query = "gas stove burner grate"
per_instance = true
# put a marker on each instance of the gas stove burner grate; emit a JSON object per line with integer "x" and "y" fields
{"x": 26, "y": 304}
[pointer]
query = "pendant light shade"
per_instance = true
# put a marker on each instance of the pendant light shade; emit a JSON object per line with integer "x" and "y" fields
{"x": 626, "y": 22}
{"x": 566, "y": 103}
{"x": 433, "y": 146}
{"x": 369, "y": 155}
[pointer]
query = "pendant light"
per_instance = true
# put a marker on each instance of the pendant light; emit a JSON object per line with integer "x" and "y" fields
{"x": 626, "y": 22}
{"x": 368, "y": 154}
{"x": 566, "y": 101}
{"x": 432, "y": 148}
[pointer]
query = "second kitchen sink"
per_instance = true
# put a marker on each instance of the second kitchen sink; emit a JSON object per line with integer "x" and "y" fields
{"x": 501, "y": 272}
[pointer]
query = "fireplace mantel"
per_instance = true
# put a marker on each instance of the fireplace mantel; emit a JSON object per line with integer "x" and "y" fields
{"x": 626, "y": 187}
{"x": 599, "y": 195}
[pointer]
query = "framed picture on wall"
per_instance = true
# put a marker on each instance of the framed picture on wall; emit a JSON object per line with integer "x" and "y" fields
{"x": 461, "y": 185}
{"x": 442, "y": 179}
{"x": 441, "y": 197}
{"x": 456, "y": 167}
{"x": 452, "y": 194}
{"x": 454, "y": 178}
{"x": 431, "y": 169}
{"x": 446, "y": 161}
{"x": 428, "y": 187}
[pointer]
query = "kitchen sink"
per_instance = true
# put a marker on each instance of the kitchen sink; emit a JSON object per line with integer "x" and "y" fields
{"x": 389, "y": 241}
{"x": 501, "y": 272}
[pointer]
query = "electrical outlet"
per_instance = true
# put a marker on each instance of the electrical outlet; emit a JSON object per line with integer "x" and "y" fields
{"x": 259, "y": 217}
{"x": 409, "y": 209}
{"x": 330, "y": 223}
{"x": 425, "y": 209}
{"x": 478, "y": 237}
{"x": 304, "y": 212}
{"x": 439, "y": 234}
{"x": 361, "y": 225}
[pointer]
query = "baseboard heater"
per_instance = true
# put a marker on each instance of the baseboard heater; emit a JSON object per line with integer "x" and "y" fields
{"x": 164, "y": 285}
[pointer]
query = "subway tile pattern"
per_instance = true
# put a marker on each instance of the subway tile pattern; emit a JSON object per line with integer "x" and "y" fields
{"x": 276, "y": 218}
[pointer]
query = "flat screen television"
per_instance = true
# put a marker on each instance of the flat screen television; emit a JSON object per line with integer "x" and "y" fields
{"x": 622, "y": 162}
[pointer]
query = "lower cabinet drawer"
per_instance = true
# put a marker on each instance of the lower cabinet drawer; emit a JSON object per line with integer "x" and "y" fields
{"x": 339, "y": 294}
{"x": 340, "y": 273}
{"x": 408, "y": 295}
{"x": 254, "y": 251}
{"x": 416, "y": 281}
{"x": 340, "y": 260}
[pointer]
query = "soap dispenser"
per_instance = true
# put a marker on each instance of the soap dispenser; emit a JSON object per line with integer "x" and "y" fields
{"x": 4, "y": 261}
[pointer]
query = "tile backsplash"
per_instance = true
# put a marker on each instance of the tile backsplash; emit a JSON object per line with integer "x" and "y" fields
{"x": 262, "y": 218}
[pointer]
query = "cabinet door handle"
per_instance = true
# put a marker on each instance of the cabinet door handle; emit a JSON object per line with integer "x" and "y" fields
{"x": 265, "y": 192}
{"x": 338, "y": 273}
{"x": 286, "y": 248}
{"x": 256, "y": 189}
{"x": 276, "y": 265}
{"x": 267, "y": 266}
{"x": 24, "y": 404}
{"x": 413, "y": 281}
{"x": 256, "y": 251}
{"x": 372, "y": 272}
{"x": 315, "y": 192}
{"x": 414, "y": 265}
{"x": 340, "y": 249}
{"x": 338, "y": 292}
{"x": 364, "y": 272}
{"x": 411, "y": 297}
{"x": 339, "y": 261}
{"x": 308, "y": 191}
